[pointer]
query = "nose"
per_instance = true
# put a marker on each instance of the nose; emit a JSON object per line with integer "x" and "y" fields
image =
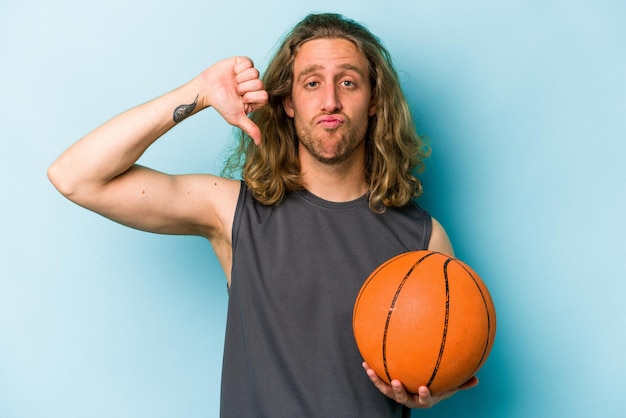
{"x": 330, "y": 100}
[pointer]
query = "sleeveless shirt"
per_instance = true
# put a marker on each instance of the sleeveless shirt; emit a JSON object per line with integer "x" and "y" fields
{"x": 297, "y": 269}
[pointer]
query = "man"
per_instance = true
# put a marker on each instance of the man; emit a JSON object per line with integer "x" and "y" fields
{"x": 329, "y": 150}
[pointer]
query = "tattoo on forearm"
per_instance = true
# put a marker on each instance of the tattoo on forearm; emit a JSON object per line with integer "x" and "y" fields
{"x": 183, "y": 111}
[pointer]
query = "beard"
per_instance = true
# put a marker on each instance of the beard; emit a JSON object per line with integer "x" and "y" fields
{"x": 331, "y": 146}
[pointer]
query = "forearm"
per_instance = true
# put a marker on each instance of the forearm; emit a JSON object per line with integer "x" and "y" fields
{"x": 114, "y": 147}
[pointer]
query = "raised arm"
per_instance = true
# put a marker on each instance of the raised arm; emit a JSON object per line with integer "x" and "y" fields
{"x": 99, "y": 172}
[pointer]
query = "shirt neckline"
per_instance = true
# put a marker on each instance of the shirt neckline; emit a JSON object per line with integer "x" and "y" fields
{"x": 318, "y": 201}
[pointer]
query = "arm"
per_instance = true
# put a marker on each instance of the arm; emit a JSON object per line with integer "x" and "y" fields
{"x": 99, "y": 172}
{"x": 439, "y": 240}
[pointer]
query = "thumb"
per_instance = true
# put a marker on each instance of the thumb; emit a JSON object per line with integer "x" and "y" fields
{"x": 250, "y": 128}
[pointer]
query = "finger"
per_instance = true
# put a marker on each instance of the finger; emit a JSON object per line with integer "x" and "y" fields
{"x": 473, "y": 381}
{"x": 399, "y": 392}
{"x": 247, "y": 74}
{"x": 370, "y": 373}
{"x": 242, "y": 63}
{"x": 250, "y": 128}
{"x": 254, "y": 100}
{"x": 377, "y": 381}
{"x": 249, "y": 85}
{"x": 426, "y": 398}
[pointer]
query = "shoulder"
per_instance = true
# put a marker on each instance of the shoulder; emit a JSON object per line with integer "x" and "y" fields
{"x": 439, "y": 240}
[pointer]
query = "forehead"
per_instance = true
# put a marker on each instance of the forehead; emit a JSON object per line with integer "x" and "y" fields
{"x": 329, "y": 54}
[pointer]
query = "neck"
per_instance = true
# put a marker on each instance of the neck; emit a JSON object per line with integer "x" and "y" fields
{"x": 337, "y": 182}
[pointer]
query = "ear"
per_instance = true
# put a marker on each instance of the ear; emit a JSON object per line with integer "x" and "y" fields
{"x": 372, "y": 109}
{"x": 288, "y": 106}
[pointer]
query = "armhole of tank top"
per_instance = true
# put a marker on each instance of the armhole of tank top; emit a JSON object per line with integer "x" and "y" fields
{"x": 429, "y": 231}
{"x": 427, "y": 218}
{"x": 241, "y": 201}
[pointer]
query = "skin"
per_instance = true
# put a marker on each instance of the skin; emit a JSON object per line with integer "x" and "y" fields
{"x": 330, "y": 105}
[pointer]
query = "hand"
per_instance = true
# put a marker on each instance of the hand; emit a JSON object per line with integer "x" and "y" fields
{"x": 422, "y": 399}
{"x": 234, "y": 89}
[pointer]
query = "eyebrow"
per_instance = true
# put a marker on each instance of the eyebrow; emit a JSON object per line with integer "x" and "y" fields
{"x": 315, "y": 67}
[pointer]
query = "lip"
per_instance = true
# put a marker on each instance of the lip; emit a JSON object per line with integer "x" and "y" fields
{"x": 330, "y": 122}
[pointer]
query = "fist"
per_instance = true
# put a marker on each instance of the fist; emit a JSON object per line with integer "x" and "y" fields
{"x": 234, "y": 89}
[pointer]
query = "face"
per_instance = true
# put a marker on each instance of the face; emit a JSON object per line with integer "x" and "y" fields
{"x": 331, "y": 100}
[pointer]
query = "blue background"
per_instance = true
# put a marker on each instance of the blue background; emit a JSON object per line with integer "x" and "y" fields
{"x": 524, "y": 102}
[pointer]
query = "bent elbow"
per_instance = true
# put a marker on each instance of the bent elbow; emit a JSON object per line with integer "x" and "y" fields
{"x": 61, "y": 179}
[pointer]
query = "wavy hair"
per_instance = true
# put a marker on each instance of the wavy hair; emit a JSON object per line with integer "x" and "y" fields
{"x": 395, "y": 153}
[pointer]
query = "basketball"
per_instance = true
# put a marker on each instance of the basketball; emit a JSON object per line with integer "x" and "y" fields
{"x": 426, "y": 319}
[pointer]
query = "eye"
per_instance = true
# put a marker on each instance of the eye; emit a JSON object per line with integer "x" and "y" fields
{"x": 312, "y": 84}
{"x": 348, "y": 83}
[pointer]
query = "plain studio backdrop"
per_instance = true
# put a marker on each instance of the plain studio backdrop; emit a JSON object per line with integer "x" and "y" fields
{"x": 525, "y": 106}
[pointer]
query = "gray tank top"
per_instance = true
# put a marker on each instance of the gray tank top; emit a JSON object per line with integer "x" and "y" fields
{"x": 297, "y": 269}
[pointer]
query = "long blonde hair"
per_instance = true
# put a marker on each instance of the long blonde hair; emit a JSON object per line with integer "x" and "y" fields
{"x": 395, "y": 153}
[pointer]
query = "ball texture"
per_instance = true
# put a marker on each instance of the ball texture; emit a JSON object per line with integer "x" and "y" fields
{"x": 426, "y": 319}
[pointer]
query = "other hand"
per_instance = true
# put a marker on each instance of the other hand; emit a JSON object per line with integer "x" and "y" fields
{"x": 422, "y": 399}
{"x": 234, "y": 89}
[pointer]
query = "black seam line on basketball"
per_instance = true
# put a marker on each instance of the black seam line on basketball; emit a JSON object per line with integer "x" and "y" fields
{"x": 375, "y": 273}
{"x": 482, "y": 295}
{"x": 445, "y": 323}
{"x": 367, "y": 283}
{"x": 392, "y": 307}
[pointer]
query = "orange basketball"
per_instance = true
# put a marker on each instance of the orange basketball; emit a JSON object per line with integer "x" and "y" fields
{"x": 425, "y": 319}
